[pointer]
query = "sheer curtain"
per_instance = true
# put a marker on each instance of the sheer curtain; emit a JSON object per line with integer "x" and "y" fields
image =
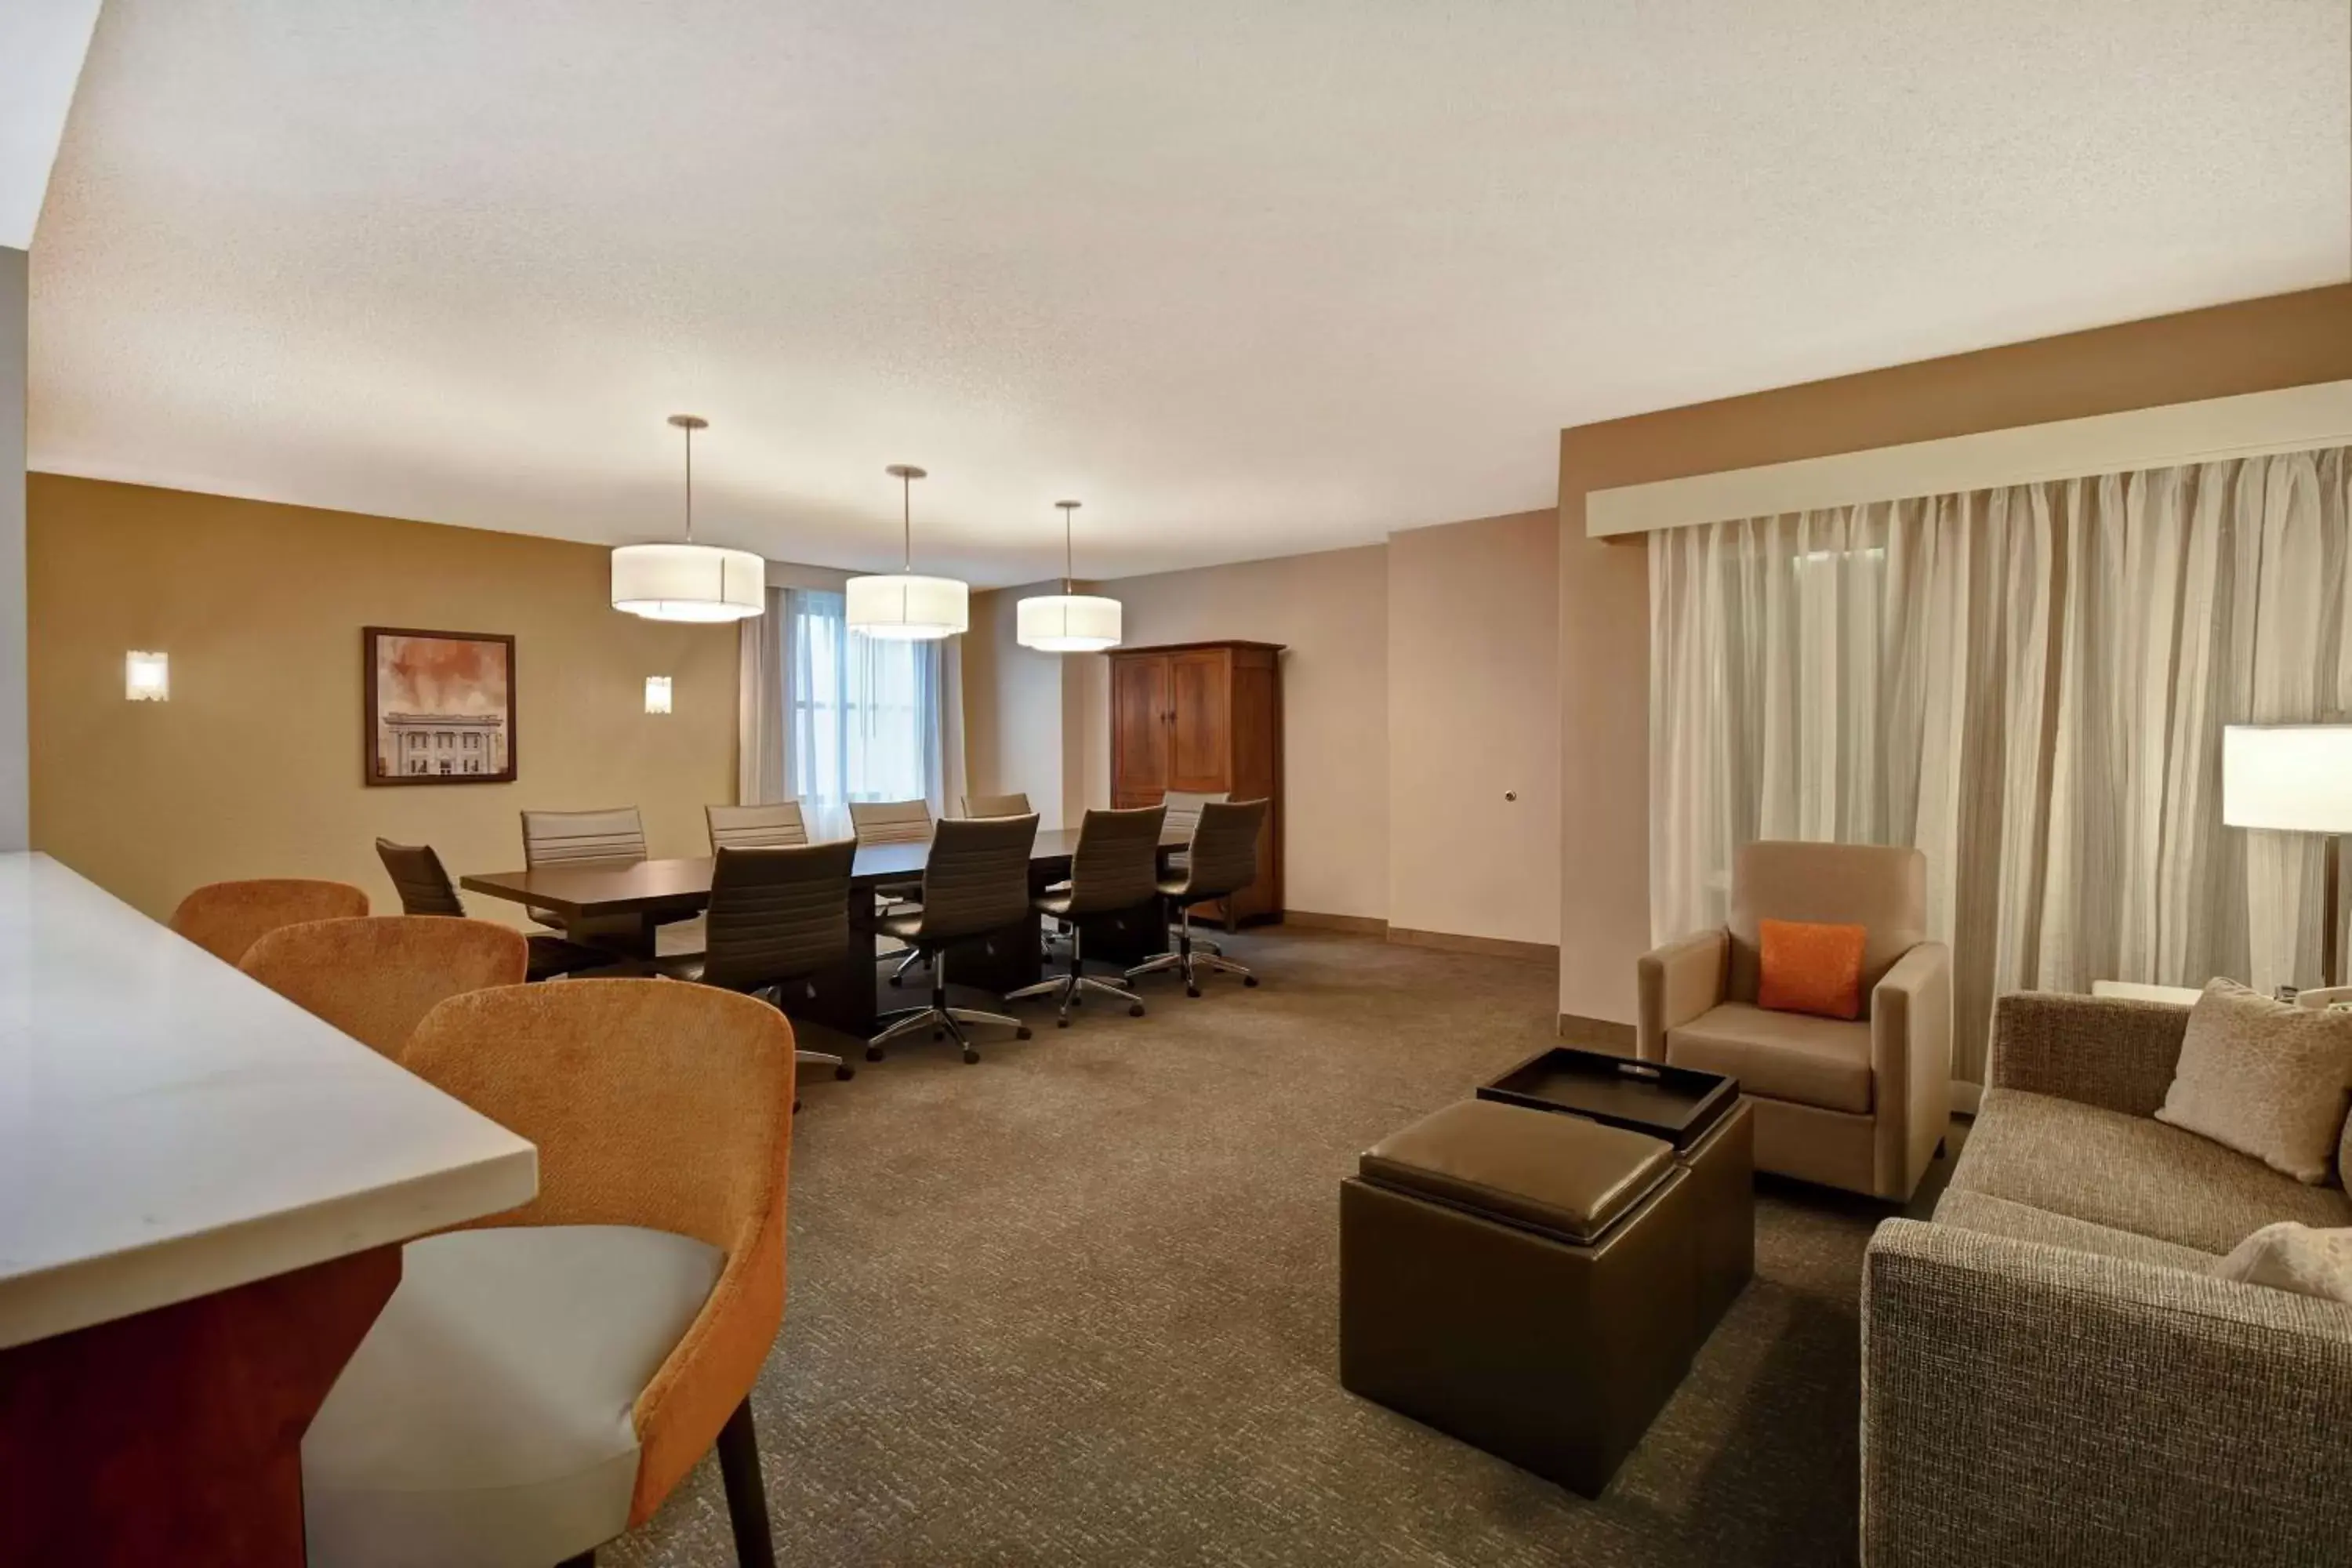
{"x": 830, "y": 717}
{"x": 2030, "y": 685}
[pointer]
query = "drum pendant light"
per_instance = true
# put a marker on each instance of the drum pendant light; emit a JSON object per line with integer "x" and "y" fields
{"x": 689, "y": 581}
{"x": 901, "y": 606}
{"x": 1067, "y": 621}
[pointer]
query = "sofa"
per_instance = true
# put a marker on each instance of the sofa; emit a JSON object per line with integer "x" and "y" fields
{"x": 2050, "y": 1372}
{"x": 1861, "y": 1104}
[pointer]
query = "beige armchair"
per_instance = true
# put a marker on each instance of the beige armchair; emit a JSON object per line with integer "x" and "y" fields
{"x": 1860, "y": 1105}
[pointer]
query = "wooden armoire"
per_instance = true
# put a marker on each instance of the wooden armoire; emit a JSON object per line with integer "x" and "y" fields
{"x": 1204, "y": 717}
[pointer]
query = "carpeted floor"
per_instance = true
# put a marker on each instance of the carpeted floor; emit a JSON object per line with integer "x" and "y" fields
{"x": 1077, "y": 1305}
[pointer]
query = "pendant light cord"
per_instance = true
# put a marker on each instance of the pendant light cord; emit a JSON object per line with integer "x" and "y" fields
{"x": 689, "y": 484}
{"x": 1069, "y": 570}
{"x": 906, "y": 518}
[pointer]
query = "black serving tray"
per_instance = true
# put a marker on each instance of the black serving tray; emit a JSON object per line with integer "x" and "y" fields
{"x": 1677, "y": 1104}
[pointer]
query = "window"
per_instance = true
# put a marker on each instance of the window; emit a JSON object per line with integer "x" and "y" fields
{"x": 862, "y": 714}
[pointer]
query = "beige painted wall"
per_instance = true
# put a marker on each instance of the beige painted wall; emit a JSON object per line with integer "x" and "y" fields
{"x": 1013, "y": 710}
{"x": 1473, "y": 716}
{"x": 1330, "y": 610}
{"x": 2290, "y": 339}
{"x": 253, "y": 767}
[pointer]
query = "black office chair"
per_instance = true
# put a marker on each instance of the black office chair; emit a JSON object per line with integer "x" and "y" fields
{"x": 1222, "y": 861}
{"x": 778, "y": 915}
{"x": 425, "y": 889}
{"x": 976, "y": 881}
{"x": 1116, "y": 866}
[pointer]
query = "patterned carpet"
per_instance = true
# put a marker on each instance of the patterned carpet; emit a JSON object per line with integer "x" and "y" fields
{"x": 1077, "y": 1305}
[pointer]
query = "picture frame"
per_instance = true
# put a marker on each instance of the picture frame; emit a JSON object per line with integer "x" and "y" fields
{"x": 439, "y": 707}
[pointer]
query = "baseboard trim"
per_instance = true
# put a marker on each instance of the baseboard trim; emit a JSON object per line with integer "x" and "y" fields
{"x": 1358, "y": 925}
{"x": 1596, "y": 1034}
{"x": 1485, "y": 946}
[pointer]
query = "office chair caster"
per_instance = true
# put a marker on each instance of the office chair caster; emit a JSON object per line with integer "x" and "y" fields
{"x": 844, "y": 1072}
{"x": 1191, "y": 989}
{"x": 970, "y": 1056}
{"x": 1061, "y": 1023}
{"x": 873, "y": 1053}
{"x": 1135, "y": 1010}
{"x": 1022, "y": 1032}
{"x": 1248, "y": 980}
{"x": 938, "y": 1033}
{"x": 894, "y": 982}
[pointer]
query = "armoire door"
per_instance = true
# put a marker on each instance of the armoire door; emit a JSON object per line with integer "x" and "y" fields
{"x": 1199, "y": 745}
{"x": 1138, "y": 726}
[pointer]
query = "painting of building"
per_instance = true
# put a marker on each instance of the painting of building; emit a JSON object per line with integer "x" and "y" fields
{"x": 440, "y": 707}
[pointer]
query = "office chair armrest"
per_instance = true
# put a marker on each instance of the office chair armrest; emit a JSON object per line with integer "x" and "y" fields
{"x": 1676, "y": 984}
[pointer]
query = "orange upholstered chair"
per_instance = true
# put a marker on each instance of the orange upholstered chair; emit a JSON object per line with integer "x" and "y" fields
{"x": 227, "y": 918}
{"x": 543, "y": 1378}
{"x": 375, "y": 978}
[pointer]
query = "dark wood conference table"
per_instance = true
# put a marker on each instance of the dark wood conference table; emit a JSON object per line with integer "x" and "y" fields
{"x": 845, "y": 999}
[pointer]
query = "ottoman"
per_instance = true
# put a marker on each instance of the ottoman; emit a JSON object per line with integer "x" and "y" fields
{"x": 1525, "y": 1282}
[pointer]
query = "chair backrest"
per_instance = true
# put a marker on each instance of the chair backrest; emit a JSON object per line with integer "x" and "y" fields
{"x": 1117, "y": 863}
{"x": 653, "y": 1104}
{"x": 1882, "y": 889}
{"x": 226, "y": 919}
{"x": 1223, "y": 858}
{"x": 891, "y": 821}
{"x": 559, "y": 837}
{"x": 376, "y": 976}
{"x": 977, "y": 877}
{"x": 1183, "y": 808}
{"x": 422, "y": 882}
{"x": 1013, "y": 804}
{"x": 777, "y": 827}
{"x": 776, "y": 913}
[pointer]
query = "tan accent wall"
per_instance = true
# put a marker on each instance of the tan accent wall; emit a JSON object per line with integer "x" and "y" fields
{"x": 252, "y": 768}
{"x": 2288, "y": 340}
{"x": 1474, "y": 718}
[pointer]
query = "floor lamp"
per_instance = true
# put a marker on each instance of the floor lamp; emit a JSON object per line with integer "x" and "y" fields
{"x": 2295, "y": 778}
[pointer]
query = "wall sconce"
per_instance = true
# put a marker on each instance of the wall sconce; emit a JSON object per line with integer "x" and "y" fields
{"x": 656, "y": 693}
{"x": 146, "y": 677}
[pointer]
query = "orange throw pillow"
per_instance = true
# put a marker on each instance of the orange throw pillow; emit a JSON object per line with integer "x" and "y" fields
{"x": 1810, "y": 968}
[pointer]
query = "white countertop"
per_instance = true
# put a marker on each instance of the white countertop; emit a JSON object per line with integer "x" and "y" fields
{"x": 169, "y": 1127}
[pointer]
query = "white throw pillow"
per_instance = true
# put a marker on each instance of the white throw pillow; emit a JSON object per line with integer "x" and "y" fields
{"x": 2291, "y": 1256}
{"x": 2267, "y": 1078}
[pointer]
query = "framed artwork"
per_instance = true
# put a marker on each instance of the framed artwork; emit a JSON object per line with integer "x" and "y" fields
{"x": 440, "y": 707}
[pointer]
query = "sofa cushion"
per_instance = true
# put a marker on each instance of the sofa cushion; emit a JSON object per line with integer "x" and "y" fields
{"x": 488, "y": 1416}
{"x": 1781, "y": 1056}
{"x": 2267, "y": 1078}
{"x": 1990, "y": 1216}
{"x": 2130, "y": 1173}
{"x": 2291, "y": 1256}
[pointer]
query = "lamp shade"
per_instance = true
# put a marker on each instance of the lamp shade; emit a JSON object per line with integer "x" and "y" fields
{"x": 2295, "y": 778}
{"x": 1067, "y": 623}
{"x": 689, "y": 581}
{"x": 904, "y": 607}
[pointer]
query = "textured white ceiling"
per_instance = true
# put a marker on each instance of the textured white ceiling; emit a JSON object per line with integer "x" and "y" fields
{"x": 1247, "y": 277}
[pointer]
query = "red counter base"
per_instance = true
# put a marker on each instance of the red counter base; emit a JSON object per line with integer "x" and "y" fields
{"x": 175, "y": 1435}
